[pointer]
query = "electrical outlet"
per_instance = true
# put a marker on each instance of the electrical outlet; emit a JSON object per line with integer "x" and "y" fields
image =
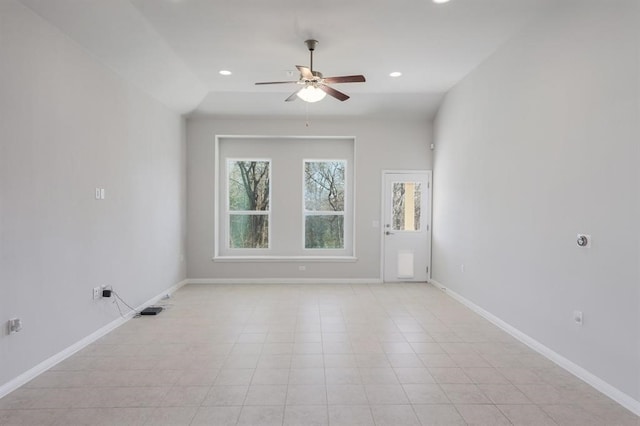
{"x": 14, "y": 325}
{"x": 97, "y": 293}
{"x": 577, "y": 317}
{"x": 462, "y": 267}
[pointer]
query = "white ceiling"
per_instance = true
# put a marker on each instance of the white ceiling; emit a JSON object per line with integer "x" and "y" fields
{"x": 173, "y": 49}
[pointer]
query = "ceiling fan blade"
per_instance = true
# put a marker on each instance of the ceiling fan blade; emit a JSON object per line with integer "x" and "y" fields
{"x": 333, "y": 92}
{"x": 293, "y": 96}
{"x": 276, "y": 82}
{"x": 305, "y": 72}
{"x": 345, "y": 79}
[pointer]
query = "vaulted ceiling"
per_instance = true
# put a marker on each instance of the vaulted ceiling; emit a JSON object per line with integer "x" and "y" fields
{"x": 174, "y": 49}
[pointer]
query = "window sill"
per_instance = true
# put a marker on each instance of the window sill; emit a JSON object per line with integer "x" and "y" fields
{"x": 328, "y": 259}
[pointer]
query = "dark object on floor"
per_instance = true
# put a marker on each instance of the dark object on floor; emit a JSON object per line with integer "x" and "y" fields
{"x": 151, "y": 310}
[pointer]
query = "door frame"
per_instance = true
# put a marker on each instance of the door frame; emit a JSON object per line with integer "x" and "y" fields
{"x": 429, "y": 174}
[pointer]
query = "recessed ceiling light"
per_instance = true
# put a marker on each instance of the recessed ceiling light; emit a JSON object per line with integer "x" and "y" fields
{"x": 225, "y": 72}
{"x": 440, "y": 1}
{"x": 395, "y": 74}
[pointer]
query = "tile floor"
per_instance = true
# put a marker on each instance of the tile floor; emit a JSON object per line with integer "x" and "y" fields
{"x": 394, "y": 354}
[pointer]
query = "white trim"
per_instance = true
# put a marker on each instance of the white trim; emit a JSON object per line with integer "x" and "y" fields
{"x": 617, "y": 395}
{"x": 328, "y": 259}
{"x": 81, "y": 344}
{"x": 345, "y": 281}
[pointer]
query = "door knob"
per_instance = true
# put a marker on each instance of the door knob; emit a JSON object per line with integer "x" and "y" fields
{"x": 389, "y": 233}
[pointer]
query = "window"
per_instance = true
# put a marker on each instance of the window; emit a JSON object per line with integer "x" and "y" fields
{"x": 324, "y": 183}
{"x": 248, "y": 203}
{"x": 284, "y": 198}
{"x": 406, "y": 206}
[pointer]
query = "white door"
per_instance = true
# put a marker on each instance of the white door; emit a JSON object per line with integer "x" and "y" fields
{"x": 406, "y": 226}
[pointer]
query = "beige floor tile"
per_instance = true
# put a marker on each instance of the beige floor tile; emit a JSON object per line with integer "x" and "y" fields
{"x": 340, "y": 361}
{"x": 343, "y": 376}
{"x": 405, "y": 361}
{"x": 572, "y": 415}
{"x": 219, "y": 416}
{"x": 307, "y": 395}
{"x": 225, "y": 395}
{"x": 439, "y": 415}
{"x": 526, "y": 415}
{"x": 263, "y": 416}
{"x": 385, "y": 394}
{"x": 171, "y": 416}
{"x": 449, "y": 375}
{"x": 429, "y": 393}
{"x": 438, "y": 360}
{"x": 372, "y": 360}
{"x": 346, "y": 395}
{"x": 504, "y": 394}
{"x": 485, "y": 375}
{"x": 414, "y": 375}
{"x": 482, "y": 415}
{"x": 30, "y": 417}
{"x": 105, "y": 417}
{"x": 465, "y": 394}
{"x": 306, "y": 376}
{"x": 307, "y": 361}
{"x": 235, "y": 361}
{"x": 185, "y": 396}
{"x": 234, "y": 376}
{"x": 350, "y": 415}
{"x": 612, "y": 412}
{"x": 381, "y": 376}
{"x": 306, "y": 415}
{"x": 270, "y": 376}
{"x": 266, "y": 395}
{"x": 394, "y": 415}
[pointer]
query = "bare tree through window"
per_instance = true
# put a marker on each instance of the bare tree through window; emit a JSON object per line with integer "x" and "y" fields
{"x": 407, "y": 199}
{"x": 324, "y": 183}
{"x": 249, "y": 190}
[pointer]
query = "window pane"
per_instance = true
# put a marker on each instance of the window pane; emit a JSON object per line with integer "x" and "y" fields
{"x": 324, "y": 232}
{"x": 324, "y": 185}
{"x": 248, "y": 185}
{"x": 406, "y": 206}
{"x": 248, "y": 231}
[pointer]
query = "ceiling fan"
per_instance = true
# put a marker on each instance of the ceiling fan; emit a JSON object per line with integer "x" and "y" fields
{"x": 314, "y": 85}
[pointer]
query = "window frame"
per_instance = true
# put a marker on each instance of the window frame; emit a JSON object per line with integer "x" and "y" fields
{"x": 306, "y": 213}
{"x": 228, "y": 212}
{"x": 225, "y": 147}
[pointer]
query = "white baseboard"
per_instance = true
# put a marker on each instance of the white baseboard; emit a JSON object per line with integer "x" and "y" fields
{"x": 81, "y": 344}
{"x": 617, "y": 395}
{"x": 284, "y": 281}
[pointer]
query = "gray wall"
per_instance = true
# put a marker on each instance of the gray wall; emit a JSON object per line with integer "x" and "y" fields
{"x": 67, "y": 126}
{"x": 536, "y": 145}
{"x": 380, "y": 144}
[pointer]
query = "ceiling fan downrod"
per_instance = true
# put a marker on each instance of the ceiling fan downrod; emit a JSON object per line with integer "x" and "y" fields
{"x": 311, "y": 45}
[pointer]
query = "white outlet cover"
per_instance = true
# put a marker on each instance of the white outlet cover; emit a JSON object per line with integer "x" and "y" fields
{"x": 577, "y": 317}
{"x": 15, "y": 325}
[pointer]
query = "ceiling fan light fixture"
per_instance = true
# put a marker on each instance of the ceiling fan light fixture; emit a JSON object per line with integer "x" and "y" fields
{"x": 311, "y": 94}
